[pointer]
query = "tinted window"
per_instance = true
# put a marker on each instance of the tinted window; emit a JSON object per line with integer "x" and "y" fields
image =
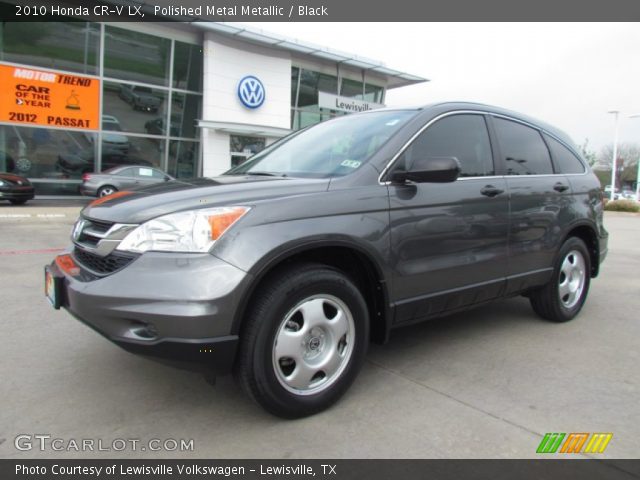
{"x": 522, "y": 148}
{"x": 464, "y": 137}
{"x": 564, "y": 160}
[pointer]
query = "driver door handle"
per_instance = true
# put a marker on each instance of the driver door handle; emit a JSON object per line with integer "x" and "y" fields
{"x": 491, "y": 191}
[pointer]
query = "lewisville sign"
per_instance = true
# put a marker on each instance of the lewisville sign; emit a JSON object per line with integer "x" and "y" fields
{"x": 345, "y": 104}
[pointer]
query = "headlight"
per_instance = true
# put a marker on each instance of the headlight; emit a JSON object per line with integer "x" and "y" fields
{"x": 1, "y": 183}
{"x": 191, "y": 231}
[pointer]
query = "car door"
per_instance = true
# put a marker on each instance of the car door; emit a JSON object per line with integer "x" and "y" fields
{"x": 125, "y": 178}
{"x": 145, "y": 176}
{"x": 537, "y": 196}
{"x": 448, "y": 240}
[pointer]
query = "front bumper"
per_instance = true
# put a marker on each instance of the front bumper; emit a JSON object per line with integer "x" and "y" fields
{"x": 175, "y": 308}
{"x": 18, "y": 193}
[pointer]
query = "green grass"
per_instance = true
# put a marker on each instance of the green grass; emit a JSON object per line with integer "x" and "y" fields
{"x": 622, "y": 206}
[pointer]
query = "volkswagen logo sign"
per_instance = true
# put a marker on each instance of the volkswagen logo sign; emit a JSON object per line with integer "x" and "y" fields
{"x": 251, "y": 92}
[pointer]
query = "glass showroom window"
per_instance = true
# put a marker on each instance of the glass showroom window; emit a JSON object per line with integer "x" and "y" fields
{"x": 351, "y": 88}
{"x": 154, "y": 121}
{"x": 244, "y": 147}
{"x": 183, "y": 159}
{"x": 137, "y": 57}
{"x": 307, "y": 112}
{"x": 146, "y": 80}
{"x": 70, "y": 46}
{"x": 187, "y": 67}
{"x": 305, "y": 86}
{"x": 373, "y": 93}
{"x": 47, "y": 154}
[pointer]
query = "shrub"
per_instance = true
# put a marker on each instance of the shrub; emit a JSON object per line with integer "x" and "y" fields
{"x": 622, "y": 206}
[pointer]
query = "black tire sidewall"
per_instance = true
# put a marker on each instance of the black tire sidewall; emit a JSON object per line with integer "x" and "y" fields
{"x": 293, "y": 291}
{"x": 572, "y": 243}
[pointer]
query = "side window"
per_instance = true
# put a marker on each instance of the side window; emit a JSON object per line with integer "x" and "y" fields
{"x": 523, "y": 149}
{"x": 463, "y": 136}
{"x": 564, "y": 160}
{"x": 158, "y": 173}
{"x": 126, "y": 172}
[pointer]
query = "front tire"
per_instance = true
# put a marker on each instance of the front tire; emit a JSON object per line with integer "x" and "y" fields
{"x": 563, "y": 297}
{"x": 303, "y": 341}
{"x": 18, "y": 202}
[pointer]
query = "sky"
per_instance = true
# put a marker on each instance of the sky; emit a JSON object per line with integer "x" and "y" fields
{"x": 567, "y": 74}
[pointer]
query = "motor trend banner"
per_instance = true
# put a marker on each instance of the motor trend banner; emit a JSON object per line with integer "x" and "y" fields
{"x": 48, "y": 98}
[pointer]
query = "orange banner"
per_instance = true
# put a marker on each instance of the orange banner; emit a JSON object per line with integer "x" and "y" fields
{"x": 50, "y": 99}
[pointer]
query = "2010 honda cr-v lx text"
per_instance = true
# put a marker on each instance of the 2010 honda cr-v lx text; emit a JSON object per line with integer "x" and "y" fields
{"x": 285, "y": 267}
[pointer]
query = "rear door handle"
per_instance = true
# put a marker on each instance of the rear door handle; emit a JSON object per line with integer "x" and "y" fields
{"x": 560, "y": 187}
{"x": 491, "y": 191}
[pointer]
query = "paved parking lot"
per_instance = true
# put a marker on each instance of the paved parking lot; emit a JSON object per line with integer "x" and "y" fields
{"x": 487, "y": 383}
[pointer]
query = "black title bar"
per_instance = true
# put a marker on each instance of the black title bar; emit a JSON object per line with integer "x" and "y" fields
{"x": 321, "y": 10}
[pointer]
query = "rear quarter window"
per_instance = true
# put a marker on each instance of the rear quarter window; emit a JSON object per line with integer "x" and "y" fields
{"x": 564, "y": 160}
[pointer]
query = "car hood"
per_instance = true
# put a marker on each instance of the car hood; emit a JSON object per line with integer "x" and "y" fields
{"x": 11, "y": 178}
{"x": 140, "y": 205}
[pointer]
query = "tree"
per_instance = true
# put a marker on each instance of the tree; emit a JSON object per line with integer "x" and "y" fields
{"x": 589, "y": 154}
{"x": 626, "y": 163}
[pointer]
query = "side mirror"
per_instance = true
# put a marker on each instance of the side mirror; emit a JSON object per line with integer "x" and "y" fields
{"x": 167, "y": 178}
{"x": 429, "y": 170}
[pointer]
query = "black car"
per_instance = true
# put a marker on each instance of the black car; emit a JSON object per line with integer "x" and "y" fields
{"x": 18, "y": 190}
{"x": 285, "y": 267}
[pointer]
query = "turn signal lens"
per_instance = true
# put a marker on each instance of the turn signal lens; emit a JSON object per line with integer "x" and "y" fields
{"x": 67, "y": 265}
{"x": 221, "y": 222}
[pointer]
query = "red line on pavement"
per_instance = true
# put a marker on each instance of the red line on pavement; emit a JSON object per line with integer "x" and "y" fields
{"x": 23, "y": 252}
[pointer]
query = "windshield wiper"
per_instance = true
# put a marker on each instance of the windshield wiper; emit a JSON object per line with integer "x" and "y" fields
{"x": 266, "y": 174}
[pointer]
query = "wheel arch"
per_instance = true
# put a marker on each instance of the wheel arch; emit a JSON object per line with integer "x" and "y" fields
{"x": 587, "y": 233}
{"x": 350, "y": 259}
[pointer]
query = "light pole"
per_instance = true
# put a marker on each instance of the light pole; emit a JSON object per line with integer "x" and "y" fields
{"x": 636, "y": 115}
{"x": 615, "y": 155}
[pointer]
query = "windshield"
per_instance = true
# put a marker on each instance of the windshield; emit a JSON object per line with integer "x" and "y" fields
{"x": 330, "y": 149}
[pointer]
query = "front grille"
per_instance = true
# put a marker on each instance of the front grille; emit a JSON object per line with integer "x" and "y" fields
{"x": 92, "y": 232}
{"x": 103, "y": 265}
{"x": 98, "y": 225}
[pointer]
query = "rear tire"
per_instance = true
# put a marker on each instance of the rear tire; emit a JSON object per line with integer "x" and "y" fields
{"x": 18, "y": 202}
{"x": 304, "y": 340}
{"x": 563, "y": 297}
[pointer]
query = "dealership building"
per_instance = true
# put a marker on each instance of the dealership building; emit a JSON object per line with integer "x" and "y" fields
{"x": 191, "y": 99}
